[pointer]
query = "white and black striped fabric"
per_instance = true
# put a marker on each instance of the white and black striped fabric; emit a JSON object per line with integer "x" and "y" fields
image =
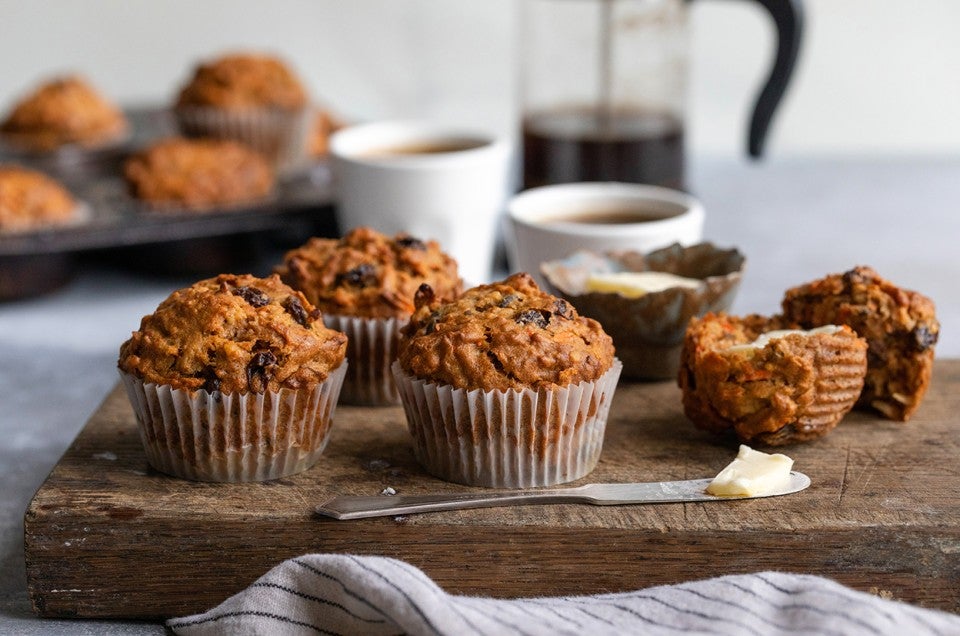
{"x": 343, "y": 594}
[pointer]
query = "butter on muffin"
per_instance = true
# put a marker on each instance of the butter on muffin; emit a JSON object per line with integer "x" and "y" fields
{"x": 506, "y": 386}
{"x": 64, "y": 111}
{"x": 767, "y": 382}
{"x": 899, "y": 325}
{"x": 178, "y": 173}
{"x": 365, "y": 283}
{"x": 31, "y": 200}
{"x": 234, "y": 378}
{"x": 253, "y": 98}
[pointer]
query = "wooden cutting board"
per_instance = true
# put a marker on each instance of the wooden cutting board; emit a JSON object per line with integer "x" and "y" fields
{"x": 106, "y": 536}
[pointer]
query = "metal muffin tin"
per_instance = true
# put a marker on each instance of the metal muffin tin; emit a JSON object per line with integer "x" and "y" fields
{"x": 129, "y": 234}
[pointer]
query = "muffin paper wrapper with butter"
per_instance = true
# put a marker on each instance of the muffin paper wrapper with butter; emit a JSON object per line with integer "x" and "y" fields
{"x": 507, "y": 439}
{"x": 233, "y": 437}
{"x": 371, "y": 349}
{"x": 280, "y": 136}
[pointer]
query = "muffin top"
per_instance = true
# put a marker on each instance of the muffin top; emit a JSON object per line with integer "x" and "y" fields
{"x": 369, "y": 274}
{"x": 505, "y": 335}
{"x": 30, "y": 199}
{"x": 66, "y": 110}
{"x": 872, "y": 305}
{"x": 234, "y": 334}
{"x": 197, "y": 173}
{"x": 243, "y": 81}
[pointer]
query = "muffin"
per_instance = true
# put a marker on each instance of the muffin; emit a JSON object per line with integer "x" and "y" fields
{"x": 767, "y": 382}
{"x": 506, "y": 386}
{"x": 31, "y": 200}
{"x": 62, "y": 112}
{"x": 899, "y": 325}
{"x": 253, "y": 98}
{"x": 197, "y": 174}
{"x": 234, "y": 378}
{"x": 324, "y": 125}
{"x": 365, "y": 283}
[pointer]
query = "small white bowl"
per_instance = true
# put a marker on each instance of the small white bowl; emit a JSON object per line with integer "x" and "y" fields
{"x": 555, "y": 221}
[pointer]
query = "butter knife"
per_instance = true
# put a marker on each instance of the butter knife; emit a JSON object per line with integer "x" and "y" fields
{"x": 361, "y": 507}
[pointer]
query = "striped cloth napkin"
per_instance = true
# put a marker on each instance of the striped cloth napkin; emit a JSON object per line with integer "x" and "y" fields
{"x": 343, "y": 594}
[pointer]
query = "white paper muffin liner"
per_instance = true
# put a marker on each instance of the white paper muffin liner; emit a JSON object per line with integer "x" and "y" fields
{"x": 507, "y": 439}
{"x": 279, "y": 135}
{"x": 233, "y": 437}
{"x": 371, "y": 349}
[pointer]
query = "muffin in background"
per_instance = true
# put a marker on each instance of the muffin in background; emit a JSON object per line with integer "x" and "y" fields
{"x": 196, "y": 174}
{"x": 31, "y": 200}
{"x": 899, "y": 325}
{"x": 506, "y": 386}
{"x": 766, "y": 381}
{"x": 62, "y": 112}
{"x": 253, "y": 98}
{"x": 365, "y": 283}
{"x": 234, "y": 378}
{"x": 324, "y": 125}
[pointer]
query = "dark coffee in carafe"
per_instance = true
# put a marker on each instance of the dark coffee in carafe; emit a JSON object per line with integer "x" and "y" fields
{"x": 602, "y": 90}
{"x": 587, "y": 145}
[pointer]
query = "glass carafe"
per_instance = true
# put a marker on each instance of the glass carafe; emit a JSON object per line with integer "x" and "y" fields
{"x": 603, "y": 87}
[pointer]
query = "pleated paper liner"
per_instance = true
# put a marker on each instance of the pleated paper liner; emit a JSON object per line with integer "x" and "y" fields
{"x": 279, "y": 135}
{"x": 371, "y": 349}
{"x": 234, "y": 437}
{"x": 507, "y": 439}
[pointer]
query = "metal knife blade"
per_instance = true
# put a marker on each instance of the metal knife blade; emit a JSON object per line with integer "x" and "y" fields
{"x": 360, "y": 507}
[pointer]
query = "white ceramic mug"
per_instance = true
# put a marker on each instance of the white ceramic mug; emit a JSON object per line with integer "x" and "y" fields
{"x": 429, "y": 180}
{"x": 552, "y": 222}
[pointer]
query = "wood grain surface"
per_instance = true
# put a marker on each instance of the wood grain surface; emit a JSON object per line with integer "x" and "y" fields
{"x": 106, "y": 536}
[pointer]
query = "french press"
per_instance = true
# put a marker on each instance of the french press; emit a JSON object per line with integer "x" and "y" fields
{"x": 603, "y": 86}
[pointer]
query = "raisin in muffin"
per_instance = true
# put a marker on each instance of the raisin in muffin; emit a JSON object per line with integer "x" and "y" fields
{"x": 64, "y": 111}
{"x": 506, "y": 386}
{"x": 767, "y": 382}
{"x": 249, "y": 97}
{"x": 234, "y": 378}
{"x": 31, "y": 200}
{"x": 197, "y": 174}
{"x": 900, "y": 327}
{"x": 365, "y": 284}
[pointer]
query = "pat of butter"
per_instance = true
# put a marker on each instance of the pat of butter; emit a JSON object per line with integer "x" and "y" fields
{"x": 751, "y": 473}
{"x": 636, "y": 284}
{"x": 765, "y": 338}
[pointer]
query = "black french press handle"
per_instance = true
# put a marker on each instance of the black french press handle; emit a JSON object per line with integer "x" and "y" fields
{"x": 788, "y": 17}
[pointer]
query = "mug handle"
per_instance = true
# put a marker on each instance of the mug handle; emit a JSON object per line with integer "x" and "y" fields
{"x": 788, "y": 18}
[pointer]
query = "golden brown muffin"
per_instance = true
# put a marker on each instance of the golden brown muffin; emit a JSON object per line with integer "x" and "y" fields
{"x": 244, "y": 80}
{"x": 793, "y": 388}
{"x": 505, "y": 335}
{"x": 900, "y": 327}
{"x": 197, "y": 173}
{"x": 30, "y": 200}
{"x": 66, "y": 110}
{"x": 369, "y": 274}
{"x": 234, "y": 334}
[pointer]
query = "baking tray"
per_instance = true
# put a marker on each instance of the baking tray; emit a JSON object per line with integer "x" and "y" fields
{"x": 125, "y": 233}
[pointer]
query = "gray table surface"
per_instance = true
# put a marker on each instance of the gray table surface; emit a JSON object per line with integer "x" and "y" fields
{"x": 795, "y": 220}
